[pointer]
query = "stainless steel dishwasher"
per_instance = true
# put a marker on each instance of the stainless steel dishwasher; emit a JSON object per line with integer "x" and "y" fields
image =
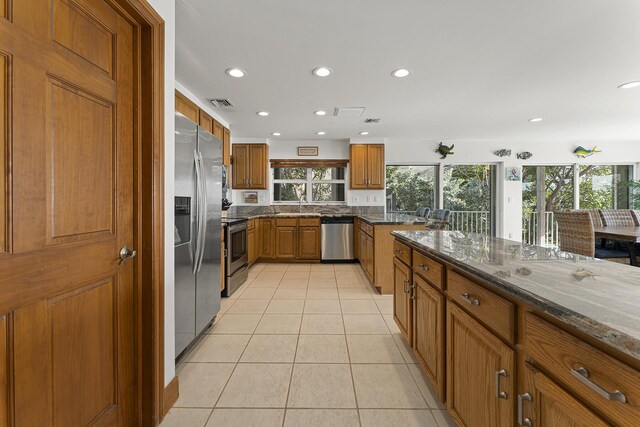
{"x": 337, "y": 238}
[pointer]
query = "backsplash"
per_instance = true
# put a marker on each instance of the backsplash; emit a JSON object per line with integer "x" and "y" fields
{"x": 239, "y": 211}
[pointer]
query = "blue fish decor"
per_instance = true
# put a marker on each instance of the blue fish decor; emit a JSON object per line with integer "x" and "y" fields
{"x": 502, "y": 153}
{"x": 582, "y": 152}
{"x": 444, "y": 150}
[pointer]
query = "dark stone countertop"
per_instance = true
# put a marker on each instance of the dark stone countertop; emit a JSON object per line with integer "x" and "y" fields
{"x": 599, "y": 298}
{"x": 232, "y": 221}
{"x": 391, "y": 219}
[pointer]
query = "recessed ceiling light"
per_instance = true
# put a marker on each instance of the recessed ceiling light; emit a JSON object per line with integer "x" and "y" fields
{"x": 322, "y": 72}
{"x": 321, "y": 133}
{"x": 263, "y": 113}
{"x": 535, "y": 120}
{"x": 629, "y": 85}
{"x": 320, "y": 113}
{"x": 276, "y": 133}
{"x": 400, "y": 72}
{"x": 235, "y": 72}
{"x": 364, "y": 132}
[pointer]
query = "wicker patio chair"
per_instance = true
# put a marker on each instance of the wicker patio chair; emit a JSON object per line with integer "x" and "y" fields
{"x": 617, "y": 218}
{"x": 596, "y": 218}
{"x": 438, "y": 220}
{"x": 576, "y": 235}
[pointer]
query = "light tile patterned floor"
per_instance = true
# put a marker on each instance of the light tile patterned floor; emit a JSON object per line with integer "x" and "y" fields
{"x": 304, "y": 345}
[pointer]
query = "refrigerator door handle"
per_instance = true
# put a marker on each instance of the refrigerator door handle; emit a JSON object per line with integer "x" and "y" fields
{"x": 196, "y": 255}
{"x": 203, "y": 211}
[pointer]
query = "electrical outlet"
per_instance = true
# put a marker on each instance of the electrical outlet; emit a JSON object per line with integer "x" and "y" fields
{"x": 368, "y": 198}
{"x": 355, "y": 199}
{"x": 375, "y": 198}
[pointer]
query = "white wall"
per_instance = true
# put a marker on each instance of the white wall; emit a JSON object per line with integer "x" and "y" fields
{"x": 206, "y": 106}
{"x": 509, "y": 194}
{"x": 166, "y": 9}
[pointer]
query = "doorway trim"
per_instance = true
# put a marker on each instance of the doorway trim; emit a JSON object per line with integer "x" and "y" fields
{"x": 148, "y": 28}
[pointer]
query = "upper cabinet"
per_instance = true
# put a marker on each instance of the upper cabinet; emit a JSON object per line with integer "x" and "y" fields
{"x": 206, "y": 121}
{"x": 250, "y": 166}
{"x": 367, "y": 166}
{"x": 187, "y": 108}
{"x": 226, "y": 148}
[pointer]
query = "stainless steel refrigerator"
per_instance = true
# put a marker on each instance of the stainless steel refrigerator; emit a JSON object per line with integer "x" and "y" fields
{"x": 198, "y": 208}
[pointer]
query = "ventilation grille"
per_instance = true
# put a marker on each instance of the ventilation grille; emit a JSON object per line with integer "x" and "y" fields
{"x": 371, "y": 120}
{"x": 222, "y": 103}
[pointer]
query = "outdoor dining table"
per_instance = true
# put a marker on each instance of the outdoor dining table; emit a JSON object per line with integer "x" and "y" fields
{"x": 631, "y": 235}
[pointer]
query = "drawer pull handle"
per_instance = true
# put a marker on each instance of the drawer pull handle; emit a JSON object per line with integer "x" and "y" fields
{"x": 467, "y": 298}
{"x": 424, "y": 267}
{"x": 524, "y": 422}
{"x": 399, "y": 251}
{"x": 582, "y": 375}
{"x": 412, "y": 294}
{"x": 404, "y": 286}
{"x": 500, "y": 394}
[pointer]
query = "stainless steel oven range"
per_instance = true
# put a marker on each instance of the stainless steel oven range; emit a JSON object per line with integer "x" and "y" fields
{"x": 236, "y": 254}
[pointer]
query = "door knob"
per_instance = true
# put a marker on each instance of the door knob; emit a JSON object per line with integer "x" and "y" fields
{"x": 126, "y": 253}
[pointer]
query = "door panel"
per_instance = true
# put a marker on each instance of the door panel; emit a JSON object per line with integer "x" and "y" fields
{"x": 375, "y": 166}
{"x": 258, "y": 156}
{"x": 358, "y": 166}
{"x": 69, "y": 309}
{"x": 240, "y": 171}
{"x": 286, "y": 242}
{"x": 309, "y": 242}
{"x": 402, "y": 312}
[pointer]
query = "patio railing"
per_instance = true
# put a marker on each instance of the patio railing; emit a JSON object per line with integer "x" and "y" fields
{"x": 466, "y": 221}
{"x": 531, "y": 233}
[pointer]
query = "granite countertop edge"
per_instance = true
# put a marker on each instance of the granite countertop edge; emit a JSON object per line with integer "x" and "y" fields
{"x": 374, "y": 219}
{"x": 609, "y": 336}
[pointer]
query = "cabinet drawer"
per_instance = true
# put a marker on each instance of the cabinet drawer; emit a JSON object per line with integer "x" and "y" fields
{"x": 428, "y": 269}
{"x": 309, "y": 222}
{"x": 495, "y": 311}
{"x": 562, "y": 355}
{"x": 367, "y": 228}
{"x": 286, "y": 222}
{"x": 402, "y": 252}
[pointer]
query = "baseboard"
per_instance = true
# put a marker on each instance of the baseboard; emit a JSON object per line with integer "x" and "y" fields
{"x": 170, "y": 396}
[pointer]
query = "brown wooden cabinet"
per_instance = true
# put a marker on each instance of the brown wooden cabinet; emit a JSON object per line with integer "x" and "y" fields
{"x": 480, "y": 373}
{"x": 370, "y": 257}
{"x": 252, "y": 241}
{"x": 250, "y": 166}
{"x": 226, "y": 148}
{"x": 286, "y": 238}
{"x": 205, "y": 121}
{"x": 187, "y": 108}
{"x": 267, "y": 248}
{"x": 309, "y": 242}
{"x": 366, "y": 165}
{"x": 218, "y": 130}
{"x": 402, "y": 310}
{"x": 428, "y": 331}
{"x": 548, "y": 405}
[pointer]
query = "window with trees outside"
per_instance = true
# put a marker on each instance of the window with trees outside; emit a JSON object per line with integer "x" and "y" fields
{"x": 547, "y": 189}
{"x": 309, "y": 185}
{"x": 468, "y": 191}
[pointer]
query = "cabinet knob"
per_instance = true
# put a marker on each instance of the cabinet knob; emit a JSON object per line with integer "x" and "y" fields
{"x": 423, "y": 267}
{"x": 466, "y": 298}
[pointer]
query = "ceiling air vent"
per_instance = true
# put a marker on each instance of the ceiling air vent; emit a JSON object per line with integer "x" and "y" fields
{"x": 222, "y": 103}
{"x": 348, "y": 112}
{"x": 372, "y": 120}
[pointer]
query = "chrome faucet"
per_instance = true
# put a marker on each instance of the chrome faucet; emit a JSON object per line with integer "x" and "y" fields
{"x": 300, "y": 205}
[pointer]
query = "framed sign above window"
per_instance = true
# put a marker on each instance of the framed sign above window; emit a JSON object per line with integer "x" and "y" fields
{"x": 307, "y": 151}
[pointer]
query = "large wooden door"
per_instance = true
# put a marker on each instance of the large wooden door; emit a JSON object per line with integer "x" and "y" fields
{"x": 480, "y": 373}
{"x": 66, "y": 210}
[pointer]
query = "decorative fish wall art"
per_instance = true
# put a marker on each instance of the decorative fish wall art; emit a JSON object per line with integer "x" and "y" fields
{"x": 524, "y": 155}
{"x": 582, "y": 152}
{"x": 502, "y": 153}
{"x": 444, "y": 150}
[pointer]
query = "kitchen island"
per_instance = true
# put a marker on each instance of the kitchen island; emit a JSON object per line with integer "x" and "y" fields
{"x": 511, "y": 333}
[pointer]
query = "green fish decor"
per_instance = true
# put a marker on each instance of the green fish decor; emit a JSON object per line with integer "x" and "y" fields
{"x": 444, "y": 150}
{"x": 582, "y": 152}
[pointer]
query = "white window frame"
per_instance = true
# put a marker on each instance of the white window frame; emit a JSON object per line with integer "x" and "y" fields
{"x": 309, "y": 183}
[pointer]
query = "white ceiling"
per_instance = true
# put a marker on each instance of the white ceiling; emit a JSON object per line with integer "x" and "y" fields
{"x": 480, "y": 69}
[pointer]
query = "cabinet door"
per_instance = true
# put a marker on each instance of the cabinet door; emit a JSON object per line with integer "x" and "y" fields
{"x": 226, "y": 148}
{"x": 258, "y": 166}
{"x": 309, "y": 242}
{"x": 266, "y": 236}
{"x": 286, "y": 242}
{"x": 251, "y": 243}
{"x": 205, "y": 121}
{"x": 362, "y": 241}
{"x": 358, "y": 166}
{"x": 551, "y": 406}
{"x": 375, "y": 166}
{"x": 480, "y": 373}
{"x": 401, "y": 299}
{"x": 218, "y": 130}
{"x": 186, "y": 107}
{"x": 370, "y": 258}
{"x": 356, "y": 239}
{"x": 222, "y": 263}
{"x": 240, "y": 170}
{"x": 428, "y": 331}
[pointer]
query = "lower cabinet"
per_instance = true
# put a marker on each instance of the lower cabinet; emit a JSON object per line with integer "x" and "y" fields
{"x": 480, "y": 373}
{"x": 286, "y": 237}
{"x": 428, "y": 331}
{"x": 548, "y": 405}
{"x": 309, "y": 242}
{"x": 402, "y": 312}
{"x": 252, "y": 242}
{"x": 266, "y": 246}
